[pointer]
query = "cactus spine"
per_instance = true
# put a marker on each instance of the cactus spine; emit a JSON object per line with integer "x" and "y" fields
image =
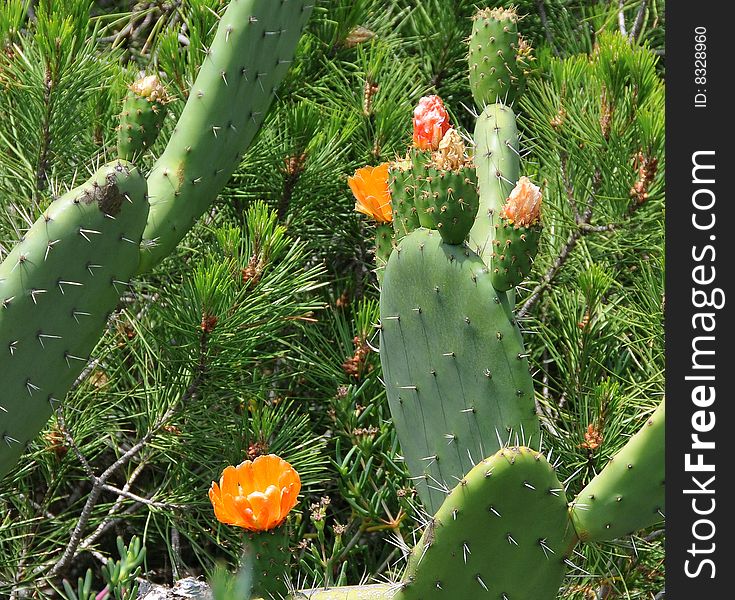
{"x": 57, "y": 287}
{"x": 251, "y": 52}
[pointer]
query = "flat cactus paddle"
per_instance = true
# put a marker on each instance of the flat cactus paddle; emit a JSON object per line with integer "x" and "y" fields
{"x": 57, "y": 288}
{"x": 497, "y": 161}
{"x": 455, "y": 371}
{"x": 630, "y": 492}
{"x": 502, "y": 533}
{"x": 249, "y": 57}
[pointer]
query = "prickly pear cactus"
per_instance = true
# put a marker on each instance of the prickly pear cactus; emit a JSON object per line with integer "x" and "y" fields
{"x": 144, "y": 111}
{"x": 57, "y": 288}
{"x": 403, "y": 198}
{"x": 516, "y": 236}
{"x": 629, "y": 493}
{"x": 497, "y": 161}
{"x": 503, "y": 532}
{"x": 251, "y": 52}
{"x": 268, "y": 554}
{"x": 451, "y": 201}
{"x": 453, "y": 362}
{"x": 496, "y": 54}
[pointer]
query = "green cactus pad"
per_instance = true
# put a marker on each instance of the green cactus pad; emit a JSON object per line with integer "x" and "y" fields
{"x": 57, "y": 288}
{"x": 450, "y": 198}
{"x": 403, "y": 195}
{"x": 384, "y": 242}
{"x": 251, "y": 52}
{"x": 495, "y": 73}
{"x": 141, "y": 119}
{"x": 502, "y": 534}
{"x": 455, "y": 373}
{"x": 629, "y": 493}
{"x": 497, "y": 161}
{"x": 514, "y": 249}
{"x": 419, "y": 160}
{"x": 268, "y": 554}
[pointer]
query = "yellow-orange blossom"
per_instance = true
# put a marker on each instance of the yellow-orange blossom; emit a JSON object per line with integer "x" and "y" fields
{"x": 369, "y": 185}
{"x": 256, "y": 495}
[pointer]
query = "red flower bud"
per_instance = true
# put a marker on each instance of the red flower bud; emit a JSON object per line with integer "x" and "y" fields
{"x": 430, "y": 123}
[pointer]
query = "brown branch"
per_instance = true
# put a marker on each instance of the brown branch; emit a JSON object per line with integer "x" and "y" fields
{"x": 98, "y": 484}
{"x": 102, "y": 527}
{"x": 587, "y": 228}
{"x": 545, "y": 24}
{"x": 70, "y": 440}
{"x": 147, "y": 501}
{"x": 550, "y": 273}
{"x": 621, "y": 17}
{"x": 638, "y": 23}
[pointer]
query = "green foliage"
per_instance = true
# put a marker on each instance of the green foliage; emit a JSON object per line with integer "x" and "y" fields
{"x": 168, "y": 398}
{"x": 54, "y": 82}
{"x": 119, "y": 575}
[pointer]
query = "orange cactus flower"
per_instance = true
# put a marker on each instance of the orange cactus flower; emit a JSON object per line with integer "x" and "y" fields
{"x": 372, "y": 194}
{"x": 430, "y": 123}
{"x": 523, "y": 206}
{"x": 257, "y": 495}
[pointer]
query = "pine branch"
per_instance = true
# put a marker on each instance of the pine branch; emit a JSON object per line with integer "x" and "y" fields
{"x": 582, "y": 221}
{"x": 540, "y": 5}
{"x": 621, "y": 18}
{"x": 638, "y": 23}
{"x": 98, "y": 484}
